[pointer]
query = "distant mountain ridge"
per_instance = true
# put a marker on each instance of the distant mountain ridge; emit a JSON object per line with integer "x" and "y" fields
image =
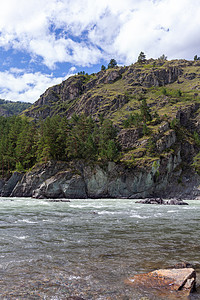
{"x": 10, "y": 108}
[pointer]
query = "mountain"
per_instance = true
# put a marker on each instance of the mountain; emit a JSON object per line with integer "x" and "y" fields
{"x": 10, "y": 108}
{"x": 155, "y": 109}
{"x": 113, "y": 92}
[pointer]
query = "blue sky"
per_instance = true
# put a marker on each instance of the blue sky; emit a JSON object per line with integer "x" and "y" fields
{"x": 43, "y": 42}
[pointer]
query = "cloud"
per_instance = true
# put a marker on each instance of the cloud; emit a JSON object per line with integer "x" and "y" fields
{"x": 17, "y": 85}
{"x": 84, "y": 32}
{"x": 72, "y": 70}
{"x": 158, "y": 27}
{"x": 32, "y": 26}
{"x": 88, "y": 32}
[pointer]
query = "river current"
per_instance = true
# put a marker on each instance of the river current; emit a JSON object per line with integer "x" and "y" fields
{"x": 87, "y": 248}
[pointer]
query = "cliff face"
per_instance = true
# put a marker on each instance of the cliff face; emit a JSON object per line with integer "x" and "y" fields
{"x": 61, "y": 180}
{"x": 157, "y": 153}
{"x": 101, "y": 93}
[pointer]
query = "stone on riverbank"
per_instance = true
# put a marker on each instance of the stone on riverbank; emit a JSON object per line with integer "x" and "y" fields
{"x": 166, "y": 281}
{"x": 161, "y": 201}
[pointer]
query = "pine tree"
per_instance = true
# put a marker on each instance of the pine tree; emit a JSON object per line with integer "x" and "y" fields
{"x": 145, "y": 112}
{"x": 112, "y": 63}
{"x": 141, "y": 58}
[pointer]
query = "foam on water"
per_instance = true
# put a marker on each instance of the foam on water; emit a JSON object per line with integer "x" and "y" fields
{"x": 88, "y": 247}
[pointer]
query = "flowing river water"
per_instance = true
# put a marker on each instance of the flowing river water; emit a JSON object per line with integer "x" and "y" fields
{"x": 87, "y": 248}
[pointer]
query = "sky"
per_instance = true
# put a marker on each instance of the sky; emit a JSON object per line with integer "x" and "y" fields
{"x": 43, "y": 42}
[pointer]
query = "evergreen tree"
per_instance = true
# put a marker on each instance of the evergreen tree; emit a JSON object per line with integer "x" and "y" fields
{"x": 112, "y": 63}
{"x": 145, "y": 112}
{"x": 196, "y": 57}
{"x": 141, "y": 58}
{"x": 163, "y": 57}
{"x": 26, "y": 146}
{"x": 108, "y": 145}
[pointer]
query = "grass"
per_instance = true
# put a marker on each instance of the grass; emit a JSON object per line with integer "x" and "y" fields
{"x": 165, "y": 101}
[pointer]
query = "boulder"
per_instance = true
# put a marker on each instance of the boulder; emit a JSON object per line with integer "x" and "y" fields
{"x": 175, "y": 202}
{"x": 161, "y": 201}
{"x": 59, "y": 200}
{"x": 63, "y": 185}
{"x": 75, "y": 298}
{"x": 151, "y": 201}
{"x": 33, "y": 179}
{"x": 166, "y": 281}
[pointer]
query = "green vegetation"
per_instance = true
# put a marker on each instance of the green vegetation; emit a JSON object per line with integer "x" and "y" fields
{"x": 196, "y": 57}
{"x": 24, "y": 143}
{"x": 82, "y": 73}
{"x": 146, "y": 102}
{"x": 12, "y": 108}
{"x": 163, "y": 57}
{"x": 196, "y": 163}
{"x": 112, "y": 63}
{"x": 196, "y": 138}
{"x": 140, "y": 119}
{"x": 141, "y": 58}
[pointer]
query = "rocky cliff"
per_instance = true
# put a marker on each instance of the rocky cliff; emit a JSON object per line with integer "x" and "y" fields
{"x": 58, "y": 180}
{"x": 158, "y": 145}
{"x": 103, "y": 93}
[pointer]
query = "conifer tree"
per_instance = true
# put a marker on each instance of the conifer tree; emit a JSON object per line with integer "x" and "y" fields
{"x": 141, "y": 58}
{"x": 112, "y": 63}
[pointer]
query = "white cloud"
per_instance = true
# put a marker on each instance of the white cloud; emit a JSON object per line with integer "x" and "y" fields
{"x": 83, "y": 32}
{"x": 72, "y": 70}
{"x": 28, "y": 26}
{"x": 165, "y": 26}
{"x": 19, "y": 86}
{"x": 120, "y": 28}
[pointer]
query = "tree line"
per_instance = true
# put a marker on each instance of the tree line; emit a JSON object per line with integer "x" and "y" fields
{"x": 24, "y": 143}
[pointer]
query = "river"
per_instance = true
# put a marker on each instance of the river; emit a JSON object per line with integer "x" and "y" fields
{"x": 87, "y": 248}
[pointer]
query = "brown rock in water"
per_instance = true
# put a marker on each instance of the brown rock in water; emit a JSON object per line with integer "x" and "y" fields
{"x": 75, "y": 298}
{"x": 166, "y": 281}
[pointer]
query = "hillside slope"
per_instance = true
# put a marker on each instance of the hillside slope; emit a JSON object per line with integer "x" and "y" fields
{"x": 155, "y": 107}
{"x": 112, "y": 92}
{"x": 10, "y": 108}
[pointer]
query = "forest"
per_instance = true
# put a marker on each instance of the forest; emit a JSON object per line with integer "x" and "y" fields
{"x": 24, "y": 143}
{"x": 9, "y": 108}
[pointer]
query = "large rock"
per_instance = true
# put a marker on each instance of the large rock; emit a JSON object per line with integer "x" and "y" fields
{"x": 62, "y": 185}
{"x": 128, "y": 137}
{"x": 161, "y": 201}
{"x": 10, "y": 184}
{"x": 166, "y": 141}
{"x": 32, "y": 180}
{"x": 158, "y": 77}
{"x": 2, "y": 183}
{"x": 166, "y": 281}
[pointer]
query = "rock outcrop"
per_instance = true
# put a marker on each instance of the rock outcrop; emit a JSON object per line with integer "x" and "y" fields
{"x": 51, "y": 180}
{"x": 9, "y": 186}
{"x": 166, "y": 282}
{"x": 87, "y": 94}
{"x": 58, "y": 180}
